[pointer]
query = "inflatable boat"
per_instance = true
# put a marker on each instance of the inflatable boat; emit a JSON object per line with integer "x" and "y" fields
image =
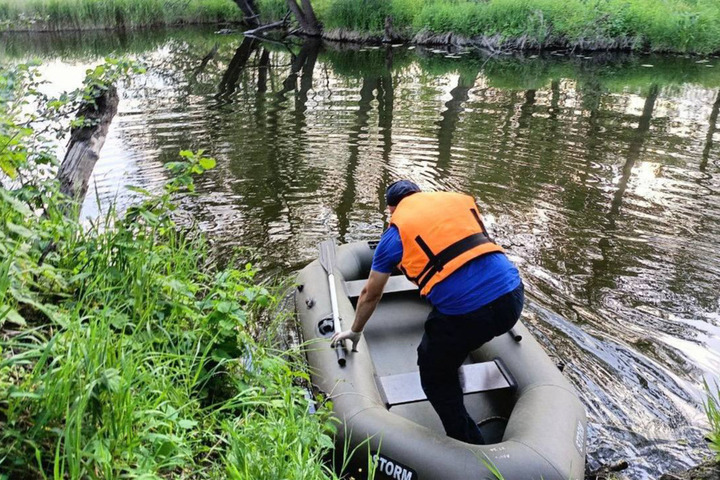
{"x": 530, "y": 416}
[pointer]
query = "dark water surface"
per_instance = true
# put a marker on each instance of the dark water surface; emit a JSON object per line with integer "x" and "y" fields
{"x": 600, "y": 175}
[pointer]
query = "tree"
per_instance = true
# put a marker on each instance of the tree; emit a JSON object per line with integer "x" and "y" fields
{"x": 710, "y": 134}
{"x": 305, "y": 15}
{"x": 249, "y": 11}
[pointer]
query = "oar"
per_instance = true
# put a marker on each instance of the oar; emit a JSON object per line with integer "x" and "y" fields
{"x": 327, "y": 260}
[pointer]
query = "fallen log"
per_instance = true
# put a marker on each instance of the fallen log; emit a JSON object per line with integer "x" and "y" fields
{"x": 85, "y": 144}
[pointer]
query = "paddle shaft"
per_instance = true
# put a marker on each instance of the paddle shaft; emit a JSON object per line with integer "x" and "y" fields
{"x": 339, "y": 346}
{"x": 327, "y": 260}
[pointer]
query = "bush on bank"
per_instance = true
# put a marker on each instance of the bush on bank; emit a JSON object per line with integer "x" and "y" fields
{"x": 125, "y": 350}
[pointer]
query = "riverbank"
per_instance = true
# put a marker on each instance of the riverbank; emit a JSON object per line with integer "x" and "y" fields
{"x": 126, "y": 348}
{"x": 683, "y": 26}
{"x": 672, "y": 26}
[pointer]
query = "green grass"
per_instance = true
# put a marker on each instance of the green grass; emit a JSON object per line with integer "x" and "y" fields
{"x": 712, "y": 409}
{"x": 677, "y": 25}
{"x": 126, "y": 350}
{"x": 658, "y": 25}
{"x": 84, "y": 14}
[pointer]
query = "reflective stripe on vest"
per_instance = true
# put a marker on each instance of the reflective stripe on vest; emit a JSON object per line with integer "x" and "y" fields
{"x": 440, "y": 232}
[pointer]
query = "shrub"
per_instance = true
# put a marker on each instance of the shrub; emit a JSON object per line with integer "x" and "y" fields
{"x": 126, "y": 350}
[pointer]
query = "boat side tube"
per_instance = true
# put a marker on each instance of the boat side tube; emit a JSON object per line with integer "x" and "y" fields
{"x": 545, "y": 434}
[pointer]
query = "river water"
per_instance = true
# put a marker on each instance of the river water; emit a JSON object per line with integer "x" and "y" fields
{"x": 600, "y": 174}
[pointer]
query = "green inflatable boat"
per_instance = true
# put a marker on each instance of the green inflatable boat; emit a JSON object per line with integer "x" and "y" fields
{"x": 529, "y": 414}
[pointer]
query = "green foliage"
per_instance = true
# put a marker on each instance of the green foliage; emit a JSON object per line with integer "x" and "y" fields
{"x": 125, "y": 350}
{"x": 678, "y": 25}
{"x": 79, "y": 14}
{"x": 361, "y": 15}
{"x": 668, "y": 25}
{"x": 712, "y": 409}
{"x": 271, "y": 9}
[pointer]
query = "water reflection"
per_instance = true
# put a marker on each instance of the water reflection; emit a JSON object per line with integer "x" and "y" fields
{"x": 599, "y": 175}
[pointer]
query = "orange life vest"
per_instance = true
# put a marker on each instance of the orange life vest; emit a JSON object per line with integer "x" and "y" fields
{"x": 440, "y": 232}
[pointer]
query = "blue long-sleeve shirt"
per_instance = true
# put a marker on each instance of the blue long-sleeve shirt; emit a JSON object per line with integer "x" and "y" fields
{"x": 477, "y": 283}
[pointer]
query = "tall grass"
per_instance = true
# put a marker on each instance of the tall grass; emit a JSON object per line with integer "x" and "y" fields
{"x": 678, "y": 25}
{"x": 712, "y": 409}
{"x": 667, "y": 25}
{"x": 125, "y": 349}
{"x": 83, "y": 14}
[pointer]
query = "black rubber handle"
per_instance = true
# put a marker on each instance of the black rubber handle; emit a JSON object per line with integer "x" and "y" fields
{"x": 515, "y": 336}
{"x": 340, "y": 351}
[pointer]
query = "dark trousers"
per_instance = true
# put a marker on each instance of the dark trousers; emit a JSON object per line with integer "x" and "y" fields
{"x": 447, "y": 341}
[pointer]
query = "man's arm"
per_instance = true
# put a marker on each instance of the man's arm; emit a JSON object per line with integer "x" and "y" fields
{"x": 369, "y": 298}
{"x": 367, "y": 302}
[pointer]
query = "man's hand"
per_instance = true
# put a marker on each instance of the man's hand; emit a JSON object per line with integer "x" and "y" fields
{"x": 368, "y": 300}
{"x": 354, "y": 337}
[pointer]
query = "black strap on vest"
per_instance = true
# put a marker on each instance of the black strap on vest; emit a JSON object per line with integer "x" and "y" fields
{"x": 436, "y": 262}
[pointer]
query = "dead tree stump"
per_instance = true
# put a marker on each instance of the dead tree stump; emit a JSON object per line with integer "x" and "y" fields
{"x": 85, "y": 144}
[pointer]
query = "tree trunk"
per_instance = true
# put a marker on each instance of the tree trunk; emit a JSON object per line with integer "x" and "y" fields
{"x": 85, "y": 145}
{"x": 636, "y": 145}
{"x": 310, "y": 15}
{"x": 362, "y": 117}
{"x": 390, "y": 35}
{"x": 263, "y": 68}
{"x": 451, "y": 117}
{"x": 306, "y": 17}
{"x": 249, "y": 12}
{"x": 228, "y": 84}
{"x": 710, "y": 134}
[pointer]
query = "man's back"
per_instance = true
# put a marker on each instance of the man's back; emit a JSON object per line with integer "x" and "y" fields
{"x": 432, "y": 225}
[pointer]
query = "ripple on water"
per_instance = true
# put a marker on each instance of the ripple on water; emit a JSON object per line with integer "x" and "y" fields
{"x": 602, "y": 187}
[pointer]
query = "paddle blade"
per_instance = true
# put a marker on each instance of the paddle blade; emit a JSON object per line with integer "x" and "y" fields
{"x": 327, "y": 255}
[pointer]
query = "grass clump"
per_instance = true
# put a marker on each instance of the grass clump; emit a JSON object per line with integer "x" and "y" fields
{"x": 84, "y": 14}
{"x": 126, "y": 350}
{"x": 712, "y": 409}
{"x": 357, "y": 15}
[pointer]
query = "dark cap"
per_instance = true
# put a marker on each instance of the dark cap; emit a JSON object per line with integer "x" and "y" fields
{"x": 399, "y": 190}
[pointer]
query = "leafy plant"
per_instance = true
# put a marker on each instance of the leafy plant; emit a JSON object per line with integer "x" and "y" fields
{"x": 127, "y": 350}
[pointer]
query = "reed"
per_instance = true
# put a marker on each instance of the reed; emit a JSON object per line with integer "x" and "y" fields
{"x": 91, "y": 14}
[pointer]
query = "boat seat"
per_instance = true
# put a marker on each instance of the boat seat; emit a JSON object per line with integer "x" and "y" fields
{"x": 475, "y": 377}
{"x": 395, "y": 284}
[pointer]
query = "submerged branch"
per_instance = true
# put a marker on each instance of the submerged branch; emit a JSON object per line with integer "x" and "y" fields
{"x": 270, "y": 26}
